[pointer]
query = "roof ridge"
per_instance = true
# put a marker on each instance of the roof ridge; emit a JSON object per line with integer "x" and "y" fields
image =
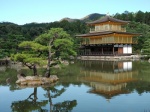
{"x": 108, "y": 18}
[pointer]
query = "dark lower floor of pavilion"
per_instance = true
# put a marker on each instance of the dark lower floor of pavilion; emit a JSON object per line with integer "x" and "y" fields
{"x": 103, "y": 50}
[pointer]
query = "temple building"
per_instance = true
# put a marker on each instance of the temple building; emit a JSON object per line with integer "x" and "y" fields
{"x": 107, "y": 37}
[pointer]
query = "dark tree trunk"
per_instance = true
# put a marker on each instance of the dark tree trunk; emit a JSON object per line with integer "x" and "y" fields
{"x": 47, "y": 74}
{"x": 34, "y": 70}
{"x": 33, "y": 67}
{"x": 50, "y": 100}
{"x": 34, "y": 94}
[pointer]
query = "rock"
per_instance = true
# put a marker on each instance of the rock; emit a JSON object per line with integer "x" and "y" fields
{"x": 21, "y": 80}
{"x": 43, "y": 79}
{"x": 23, "y": 83}
{"x": 20, "y": 76}
{"x": 54, "y": 77}
{"x": 72, "y": 57}
{"x": 18, "y": 81}
{"x": 32, "y": 78}
{"x": 36, "y": 81}
{"x": 65, "y": 62}
{"x": 57, "y": 66}
{"x": 149, "y": 60}
{"x": 72, "y": 62}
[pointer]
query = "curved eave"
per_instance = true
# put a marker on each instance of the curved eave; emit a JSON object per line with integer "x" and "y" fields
{"x": 94, "y": 34}
{"x": 109, "y": 95}
{"x": 106, "y": 33}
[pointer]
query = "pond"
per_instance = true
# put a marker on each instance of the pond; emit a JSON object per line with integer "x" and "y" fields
{"x": 85, "y": 86}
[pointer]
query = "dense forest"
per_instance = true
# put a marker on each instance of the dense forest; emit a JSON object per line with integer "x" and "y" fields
{"x": 139, "y": 23}
{"x": 12, "y": 34}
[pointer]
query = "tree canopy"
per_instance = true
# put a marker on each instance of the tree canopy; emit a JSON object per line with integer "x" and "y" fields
{"x": 54, "y": 46}
{"x": 62, "y": 46}
{"x": 146, "y": 48}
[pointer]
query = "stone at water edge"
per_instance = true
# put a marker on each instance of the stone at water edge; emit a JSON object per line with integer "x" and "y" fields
{"x": 54, "y": 77}
{"x": 149, "y": 60}
{"x": 21, "y": 80}
{"x": 35, "y": 80}
{"x": 30, "y": 78}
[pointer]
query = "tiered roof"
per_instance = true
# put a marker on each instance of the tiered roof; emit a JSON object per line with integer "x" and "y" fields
{"x": 106, "y": 19}
{"x": 103, "y": 20}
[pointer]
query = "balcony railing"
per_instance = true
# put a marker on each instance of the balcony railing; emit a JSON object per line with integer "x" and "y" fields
{"x": 113, "y": 40}
{"x": 103, "y": 54}
{"x": 92, "y": 30}
{"x": 123, "y": 29}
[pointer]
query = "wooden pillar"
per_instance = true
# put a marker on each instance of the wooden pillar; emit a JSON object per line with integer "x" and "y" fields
{"x": 113, "y": 65}
{"x": 102, "y": 50}
{"x": 113, "y": 50}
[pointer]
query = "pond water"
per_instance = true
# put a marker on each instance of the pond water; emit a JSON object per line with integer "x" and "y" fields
{"x": 85, "y": 86}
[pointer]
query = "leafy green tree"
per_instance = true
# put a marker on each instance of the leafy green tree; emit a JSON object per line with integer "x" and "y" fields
{"x": 143, "y": 30}
{"x": 146, "y": 47}
{"x": 29, "y": 32}
{"x": 31, "y": 55}
{"x": 55, "y": 45}
{"x": 131, "y": 16}
{"x": 140, "y": 16}
{"x": 9, "y": 44}
{"x": 60, "y": 46}
{"x": 147, "y": 18}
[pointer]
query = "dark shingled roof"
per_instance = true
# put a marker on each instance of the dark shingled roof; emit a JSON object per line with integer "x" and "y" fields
{"x": 106, "y": 33}
{"x": 108, "y": 18}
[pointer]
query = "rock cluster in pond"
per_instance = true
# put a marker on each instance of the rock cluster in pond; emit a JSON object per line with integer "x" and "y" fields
{"x": 36, "y": 80}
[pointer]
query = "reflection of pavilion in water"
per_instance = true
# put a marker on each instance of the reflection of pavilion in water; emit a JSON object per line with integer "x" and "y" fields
{"x": 108, "y": 78}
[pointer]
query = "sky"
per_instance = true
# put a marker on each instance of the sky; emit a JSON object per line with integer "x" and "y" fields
{"x": 43, "y": 11}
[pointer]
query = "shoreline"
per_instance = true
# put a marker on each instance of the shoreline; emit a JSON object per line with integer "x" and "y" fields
{"x": 111, "y": 58}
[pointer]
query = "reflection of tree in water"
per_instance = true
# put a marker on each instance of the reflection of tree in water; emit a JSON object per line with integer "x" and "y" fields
{"x": 31, "y": 103}
{"x": 143, "y": 84}
{"x": 140, "y": 86}
{"x": 64, "y": 106}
